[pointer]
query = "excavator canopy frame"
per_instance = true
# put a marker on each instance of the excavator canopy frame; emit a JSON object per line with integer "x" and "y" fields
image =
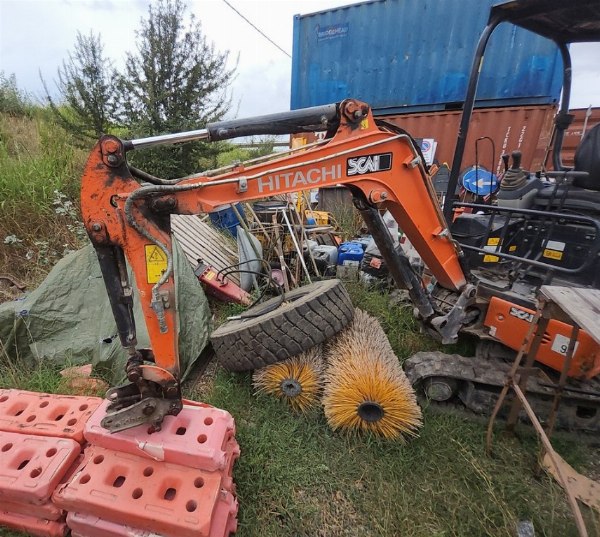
{"x": 575, "y": 21}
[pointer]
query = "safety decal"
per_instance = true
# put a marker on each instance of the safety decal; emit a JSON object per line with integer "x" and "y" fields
{"x": 156, "y": 263}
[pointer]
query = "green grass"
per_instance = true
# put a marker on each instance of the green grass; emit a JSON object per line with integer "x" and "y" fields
{"x": 296, "y": 477}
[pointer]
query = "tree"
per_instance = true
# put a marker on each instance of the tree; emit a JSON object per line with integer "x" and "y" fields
{"x": 86, "y": 84}
{"x": 12, "y": 100}
{"x": 177, "y": 81}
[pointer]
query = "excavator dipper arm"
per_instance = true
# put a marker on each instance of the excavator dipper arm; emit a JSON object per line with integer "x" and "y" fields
{"x": 129, "y": 220}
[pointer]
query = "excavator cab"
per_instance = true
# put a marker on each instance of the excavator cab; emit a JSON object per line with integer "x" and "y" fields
{"x": 540, "y": 226}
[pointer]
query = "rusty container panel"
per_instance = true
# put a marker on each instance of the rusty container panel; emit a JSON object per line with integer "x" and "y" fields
{"x": 575, "y": 132}
{"x": 527, "y": 128}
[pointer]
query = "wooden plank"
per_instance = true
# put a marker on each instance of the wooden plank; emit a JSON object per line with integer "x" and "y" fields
{"x": 202, "y": 234}
{"x": 192, "y": 243}
{"x": 585, "y": 489}
{"x": 582, "y": 305}
{"x": 199, "y": 240}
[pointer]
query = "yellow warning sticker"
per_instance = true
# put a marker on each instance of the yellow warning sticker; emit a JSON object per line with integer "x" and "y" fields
{"x": 491, "y": 259}
{"x": 156, "y": 262}
{"x": 364, "y": 124}
{"x": 493, "y": 241}
{"x": 512, "y": 248}
{"x": 553, "y": 254}
{"x": 210, "y": 275}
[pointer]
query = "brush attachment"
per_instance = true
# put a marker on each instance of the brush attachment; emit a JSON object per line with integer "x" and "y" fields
{"x": 365, "y": 386}
{"x": 298, "y": 381}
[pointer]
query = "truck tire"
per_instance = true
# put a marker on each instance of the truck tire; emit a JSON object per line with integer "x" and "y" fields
{"x": 309, "y": 316}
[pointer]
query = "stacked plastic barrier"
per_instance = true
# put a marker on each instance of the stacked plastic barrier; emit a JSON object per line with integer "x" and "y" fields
{"x": 61, "y": 471}
{"x": 176, "y": 482}
{"x": 41, "y": 438}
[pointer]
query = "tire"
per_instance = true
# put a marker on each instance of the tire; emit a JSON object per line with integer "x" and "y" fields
{"x": 309, "y": 316}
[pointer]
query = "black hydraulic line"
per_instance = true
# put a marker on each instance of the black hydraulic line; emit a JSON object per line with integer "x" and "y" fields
{"x": 149, "y": 178}
{"x": 396, "y": 260}
{"x": 293, "y": 121}
{"x": 461, "y": 139}
{"x": 563, "y": 118}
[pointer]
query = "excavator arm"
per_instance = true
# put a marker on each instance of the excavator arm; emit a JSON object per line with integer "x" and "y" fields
{"x": 126, "y": 213}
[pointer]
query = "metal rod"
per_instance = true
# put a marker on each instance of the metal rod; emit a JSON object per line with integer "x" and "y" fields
{"x": 541, "y": 326}
{"x": 165, "y": 139}
{"x": 298, "y": 249}
{"x": 279, "y": 250}
{"x": 468, "y": 106}
{"x": 395, "y": 258}
{"x": 563, "y": 380}
{"x": 315, "y": 118}
{"x": 562, "y": 120}
{"x": 510, "y": 380}
{"x": 552, "y": 454}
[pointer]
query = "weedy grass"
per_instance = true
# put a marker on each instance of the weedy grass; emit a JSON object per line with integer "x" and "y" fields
{"x": 296, "y": 477}
{"x": 39, "y": 191}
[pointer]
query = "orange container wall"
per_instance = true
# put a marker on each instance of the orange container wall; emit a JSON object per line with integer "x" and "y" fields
{"x": 575, "y": 132}
{"x": 526, "y": 128}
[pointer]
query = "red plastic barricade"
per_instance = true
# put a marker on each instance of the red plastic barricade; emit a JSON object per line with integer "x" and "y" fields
{"x": 168, "y": 499}
{"x": 32, "y": 466}
{"x": 46, "y": 511}
{"x": 33, "y": 526}
{"x": 224, "y": 523}
{"x": 197, "y": 437}
{"x": 45, "y": 414}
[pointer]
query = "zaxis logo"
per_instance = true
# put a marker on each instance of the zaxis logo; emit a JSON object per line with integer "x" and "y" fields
{"x": 368, "y": 164}
{"x": 520, "y": 314}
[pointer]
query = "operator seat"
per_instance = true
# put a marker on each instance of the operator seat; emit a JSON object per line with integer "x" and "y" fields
{"x": 583, "y": 195}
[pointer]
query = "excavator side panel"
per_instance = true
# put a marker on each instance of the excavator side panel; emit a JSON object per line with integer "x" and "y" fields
{"x": 509, "y": 324}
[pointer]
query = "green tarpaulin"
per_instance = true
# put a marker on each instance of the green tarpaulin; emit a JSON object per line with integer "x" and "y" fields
{"x": 68, "y": 318}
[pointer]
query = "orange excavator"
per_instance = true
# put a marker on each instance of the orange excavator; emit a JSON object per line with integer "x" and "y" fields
{"x": 483, "y": 262}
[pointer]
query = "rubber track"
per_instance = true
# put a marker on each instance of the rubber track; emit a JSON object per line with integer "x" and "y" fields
{"x": 286, "y": 332}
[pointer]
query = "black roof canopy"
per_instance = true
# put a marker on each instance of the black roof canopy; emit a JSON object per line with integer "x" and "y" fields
{"x": 563, "y": 21}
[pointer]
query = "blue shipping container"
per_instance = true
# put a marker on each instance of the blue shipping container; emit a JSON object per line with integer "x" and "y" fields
{"x": 415, "y": 55}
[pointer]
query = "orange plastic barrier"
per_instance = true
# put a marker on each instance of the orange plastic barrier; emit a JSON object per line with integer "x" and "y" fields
{"x": 32, "y": 466}
{"x": 197, "y": 437}
{"x": 45, "y": 414}
{"x": 33, "y": 526}
{"x": 224, "y": 523}
{"x": 168, "y": 499}
{"x": 47, "y": 511}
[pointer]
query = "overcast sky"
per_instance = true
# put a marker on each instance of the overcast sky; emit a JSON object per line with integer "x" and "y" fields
{"x": 35, "y": 35}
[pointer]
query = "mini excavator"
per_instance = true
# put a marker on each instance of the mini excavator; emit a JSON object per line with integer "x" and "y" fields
{"x": 483, "y": 262}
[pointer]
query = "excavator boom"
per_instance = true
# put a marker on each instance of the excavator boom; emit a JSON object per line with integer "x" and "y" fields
{"x": 127, "y": 220}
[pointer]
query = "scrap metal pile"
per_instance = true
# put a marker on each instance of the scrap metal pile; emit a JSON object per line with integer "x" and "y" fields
{"x": 61, "y": 471}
